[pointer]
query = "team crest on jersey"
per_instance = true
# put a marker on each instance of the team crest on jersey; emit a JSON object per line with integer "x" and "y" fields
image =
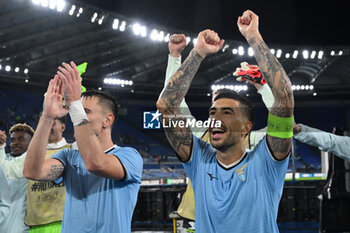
{"x": 241, "y": 173}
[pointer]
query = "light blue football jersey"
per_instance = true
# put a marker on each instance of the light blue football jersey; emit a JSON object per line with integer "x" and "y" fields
{"x": 242, "y": 198}
{"x": 97, "y": 204}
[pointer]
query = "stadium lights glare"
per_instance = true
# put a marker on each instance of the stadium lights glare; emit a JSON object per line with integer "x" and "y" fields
{"x": 237, "y": 88}
{"x": 115, "y": 24}
{"x": 160, "y": 36}
{"x": 26, "y": 80}
{"x": 167, "y": 37}
{"x": 44, "y": 3}
{"x": 305, "y": 54}
{"x": 332, "y": 53}
{"x": 72, "y": 9}
{"x": 250, "y": 52}
{"x": 287, "y": 55}
{"x": 52, "y": 4}
{"x": 94, "y": 17}
{"x": 194, "y": 41}
{"x": 0, "y": 67}
{"x": 60, "y": 4}
{"x": 295, "y": 54}
{"x": 320, "y": 54}
{"x": 100, "y": 21}
{"x": 154, "y": 34}
{"x": 80, "y": 12}
{"x": 313, "y": 54}
{"x": 272, "y": 51}
{"x": 234, "y": 51}
{"x": 25, "y": 71}
{"x": 36, "y": 2}
{"x": 122, "y": 26}
{"x": 8, "y": 68}
{"x": 278, "y": 53}
{"x": 188, "y": 39}
{"x": 17, "y": 69}
{"x": 117, "y": 81}
{"x": 240, "y": 50}
{"x": 302, "y": 87}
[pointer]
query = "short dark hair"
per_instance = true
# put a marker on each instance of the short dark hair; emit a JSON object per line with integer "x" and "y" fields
{"x": 105, "y": 98}
{"x": 23, "y": 128}
{"x": 247, "y": 107}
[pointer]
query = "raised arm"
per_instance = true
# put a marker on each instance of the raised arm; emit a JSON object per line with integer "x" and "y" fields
{"x": 177, "y": 43}
{"x": 180, "y": 138}
{"x": 95, "y": 137}
{"x": 275, "y": 76}
{"x": 36, "y": 167}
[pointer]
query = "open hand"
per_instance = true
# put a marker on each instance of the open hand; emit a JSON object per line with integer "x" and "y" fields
{"x": 69, "y": 75}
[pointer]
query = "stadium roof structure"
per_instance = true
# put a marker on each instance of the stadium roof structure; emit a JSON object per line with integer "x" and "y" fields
{"x": 129, "y": 57}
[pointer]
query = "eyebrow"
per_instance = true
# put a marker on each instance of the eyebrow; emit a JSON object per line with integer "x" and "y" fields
{"x": 223, "y": 109}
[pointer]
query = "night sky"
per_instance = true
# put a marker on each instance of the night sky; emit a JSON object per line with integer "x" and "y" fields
{"x": 298, "y": 22}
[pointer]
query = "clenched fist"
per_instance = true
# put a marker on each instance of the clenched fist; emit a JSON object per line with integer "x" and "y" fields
{"x": 177, "y": 42}
{"x": 208, "y": 42}
{"x": 248, "y": 24}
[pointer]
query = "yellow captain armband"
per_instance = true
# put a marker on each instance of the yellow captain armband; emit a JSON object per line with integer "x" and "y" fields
{"x": 280, "y": 127}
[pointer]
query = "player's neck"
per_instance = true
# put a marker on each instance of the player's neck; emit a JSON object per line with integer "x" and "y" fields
{"x": 231, "y": 154}
{"x": 105, "y": 139}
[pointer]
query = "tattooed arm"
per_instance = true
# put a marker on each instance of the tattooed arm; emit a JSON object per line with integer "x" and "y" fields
{"x": 36, "y": 167}
{"x": 180, "y": 138}
{"x": 275, "y": 76}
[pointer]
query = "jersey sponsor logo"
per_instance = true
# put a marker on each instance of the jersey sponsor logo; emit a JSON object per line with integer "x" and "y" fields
{"x": 211, "y": 176}
{"x": 241, "y": 173}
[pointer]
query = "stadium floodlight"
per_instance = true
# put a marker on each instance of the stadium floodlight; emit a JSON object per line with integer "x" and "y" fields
{"x": 278, "y": 53}
{"x": 314, "y": 94}
{"x": 250, "y": 52}
{"x": 144, "y": 31}
{"x": 194, "y": 41}
{"x": 160, "y": 36}
{"x": 240, "y": 50}
{"x": 100, "y": 21}
{"x": 305, "y": 54}
{"x": 8, "y": 68}
{"x": 80, "y": 12}
{"x": 44, "y": 3}
{"x": 94, "y": 17}
{"x": 136, "y": 28}
{"x": 188, "y": 39}
{"x": 234, "y": 51}
{"x": 26, "y": 80}
{"x": 60, "y": 4}
{"x": 332, "y": 53}
{"x": 25, "y": 71}
{"x": 52, "y": 4}
{"x": 72, "y": 9}
{"x": 122, "y": 26}
{"x": 272, "y": 51}
{"x": 115, "y": 24}
{"x": 17, "y": 69}
{"x": 0, "y": 67}
{"x": 295, "y": 54}
{"x": 154, "y": 34}
{"x": 287, "y": 55}
{"x": 313, "y": 54}
{"x": 320, "y": 54}
{"x": 340, "y": 52}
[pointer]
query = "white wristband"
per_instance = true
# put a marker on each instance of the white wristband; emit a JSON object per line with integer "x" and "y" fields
{"x": 77, "y": 112}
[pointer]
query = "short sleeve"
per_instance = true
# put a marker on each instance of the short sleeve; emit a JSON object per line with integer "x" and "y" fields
{"x": 274, "y": 170}
{"x": 132, "y": 162}
{"x": 61, "y": 155}
{"x": 201, "y": 151}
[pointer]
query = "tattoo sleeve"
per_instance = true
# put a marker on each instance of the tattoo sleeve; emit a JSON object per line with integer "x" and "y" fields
{"x": 56, "y": 171}
{"x": 281, "y": 88}
{"x": 180, "y": 138}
